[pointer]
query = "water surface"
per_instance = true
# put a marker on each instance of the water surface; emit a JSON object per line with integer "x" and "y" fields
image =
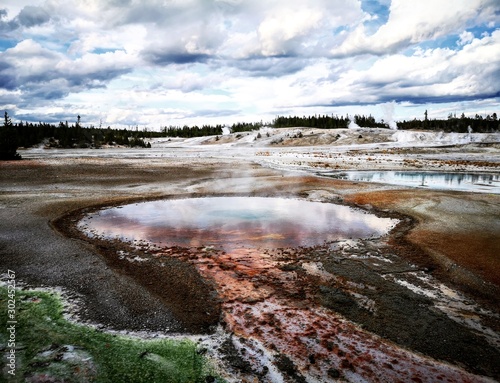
{"x": 471, "y": 182}
{"x": 232, "y": 222}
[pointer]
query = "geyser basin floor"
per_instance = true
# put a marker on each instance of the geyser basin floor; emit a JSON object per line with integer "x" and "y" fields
{"x": 235, "y": 222}
{"x": 35, "y": 192}
{"x": 286, "y": 304}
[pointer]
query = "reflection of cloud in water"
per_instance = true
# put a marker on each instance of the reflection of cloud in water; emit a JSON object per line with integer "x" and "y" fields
{"x": 236, "y": 221}
{"x": 475, "y": 182}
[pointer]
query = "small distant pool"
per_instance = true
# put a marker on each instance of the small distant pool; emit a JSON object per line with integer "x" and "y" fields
{"x": 471, "y": 182}
{"x": 233, "y": 222}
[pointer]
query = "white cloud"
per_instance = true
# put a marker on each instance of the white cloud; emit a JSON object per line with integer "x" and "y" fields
{"x": 431, "y": 73}
{"x": 240, "y": 45}
{"x": 304, "y": 28}
{"x": 96, "y": 64}
{"x": 411, "y": 22}
{"x": 130, "y": 39}
{"x": 189, "y": 60}
{"x": 31, "y": 59}
{"x": 465, "y": 38}
{"x": 279, "y": 28}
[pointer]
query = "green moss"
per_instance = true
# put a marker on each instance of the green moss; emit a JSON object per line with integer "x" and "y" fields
{"x": 47, "y": 346}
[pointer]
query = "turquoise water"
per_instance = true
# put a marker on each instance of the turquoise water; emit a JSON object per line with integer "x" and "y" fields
{"x": 230, "y": 222}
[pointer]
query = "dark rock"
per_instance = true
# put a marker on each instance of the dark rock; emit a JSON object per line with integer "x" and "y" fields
{"x": 333, "y": 373}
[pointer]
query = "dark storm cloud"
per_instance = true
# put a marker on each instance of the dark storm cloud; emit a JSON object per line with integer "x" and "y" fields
{"x": 47, "y": 93}
{"x": 31, "y": 16}
{"x": 439, "y": 99}
{"x": 9, "y": 99}
{"x": 57, "y": 85}
{"x": 47, "y": 118}
{"x": 7, "y": 80}
{"x": 44, "y": 75}
{"x": 270, "y": 67}
{"x": 96, "y": 79}
{"x": 6, "y": 26}
{"x": 409, "y": 98}
{"x": 165, "y": 58}
{"x": 66, "y": 82}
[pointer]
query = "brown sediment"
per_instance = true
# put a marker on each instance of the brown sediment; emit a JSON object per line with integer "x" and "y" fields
{"x": 475, "y": 251}
{"x": 457, "y": 235}
{"x": 35, "y": 193}
{"x": 192, "y": 299}
{"x": 294, "y": 301}
{"x": 301, "y": 303}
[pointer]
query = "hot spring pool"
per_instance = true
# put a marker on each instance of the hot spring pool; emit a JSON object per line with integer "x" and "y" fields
{"x": 471, "y": 182}
{"x": 233, "y": 222}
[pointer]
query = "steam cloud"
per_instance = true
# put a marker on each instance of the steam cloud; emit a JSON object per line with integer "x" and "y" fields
{"x": 352, "y": 124}
{"x": 388, "y": 110}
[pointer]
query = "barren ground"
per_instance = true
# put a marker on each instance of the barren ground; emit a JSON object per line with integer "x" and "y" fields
{"x": 419, "y": 304}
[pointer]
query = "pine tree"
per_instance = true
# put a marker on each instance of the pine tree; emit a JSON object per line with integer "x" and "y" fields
{"x": 8, "y": 140}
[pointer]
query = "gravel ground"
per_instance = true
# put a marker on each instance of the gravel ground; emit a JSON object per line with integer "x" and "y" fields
{"x": 450, "y": 236}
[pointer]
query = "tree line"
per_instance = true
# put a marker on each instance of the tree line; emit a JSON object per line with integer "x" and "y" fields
{"x": 462, "y": 124}
{"x": 208, "y": 130}
{"x": 192, "y": 131}
{"x": 326, "y": 122}
{"x": 64, "y": 135}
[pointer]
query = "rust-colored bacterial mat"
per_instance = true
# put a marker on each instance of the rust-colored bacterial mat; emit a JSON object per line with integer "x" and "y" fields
{"x": 276, "y": 264}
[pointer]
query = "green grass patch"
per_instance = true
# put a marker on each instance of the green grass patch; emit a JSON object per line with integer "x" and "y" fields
{"x": 49, "y": 348}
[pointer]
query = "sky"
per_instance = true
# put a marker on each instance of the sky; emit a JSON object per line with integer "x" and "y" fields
{"x": 156, "y": 63}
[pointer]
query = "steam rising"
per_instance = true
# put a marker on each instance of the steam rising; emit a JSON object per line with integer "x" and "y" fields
{"x": 388, "y": 111}
{"x": 352, "y": 124}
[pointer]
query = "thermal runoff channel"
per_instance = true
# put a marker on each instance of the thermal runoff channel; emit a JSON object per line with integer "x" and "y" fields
{"x": 469, "y": 182}
{"x": 234, "y": 222}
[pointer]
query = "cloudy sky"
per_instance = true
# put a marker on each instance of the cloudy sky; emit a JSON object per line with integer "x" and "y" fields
{"x": 173, "y": 62}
